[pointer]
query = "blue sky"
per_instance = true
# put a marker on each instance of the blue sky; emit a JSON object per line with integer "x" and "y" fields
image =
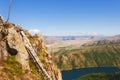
{"x": 65, "y": 17}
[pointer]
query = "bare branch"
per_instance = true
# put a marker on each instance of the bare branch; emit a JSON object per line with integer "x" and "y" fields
{"x": 9, "y": 8}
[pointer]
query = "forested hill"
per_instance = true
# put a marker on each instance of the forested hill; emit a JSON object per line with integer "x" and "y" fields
{"x": 98, "y": 53}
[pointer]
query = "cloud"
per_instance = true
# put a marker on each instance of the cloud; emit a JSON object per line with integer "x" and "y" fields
{"x": 94, "y": 33}
{"x": 34, "y": 31}
{"x": 89, "y": 33}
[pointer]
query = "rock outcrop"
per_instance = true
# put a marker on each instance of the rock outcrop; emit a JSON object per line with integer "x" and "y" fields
{"x": 16, "y": 47}
{"x": 12, "y": 44}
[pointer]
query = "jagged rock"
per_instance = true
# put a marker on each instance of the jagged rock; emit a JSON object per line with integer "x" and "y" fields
{"x": 1, "y": 21}
{"x": 3, "y": 52}
{"x": 12, "y": 44}
{"x": 16, "y": 47}
{"x": 41, "y": 49}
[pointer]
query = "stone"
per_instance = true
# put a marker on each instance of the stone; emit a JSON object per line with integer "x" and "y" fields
{"x": 3, "y": 51}
{"x": 16, "y": 47}
{"x": 12, "y": 44}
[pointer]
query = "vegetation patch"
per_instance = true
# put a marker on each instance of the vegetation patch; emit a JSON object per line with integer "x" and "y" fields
{"x": 101, "y": 53}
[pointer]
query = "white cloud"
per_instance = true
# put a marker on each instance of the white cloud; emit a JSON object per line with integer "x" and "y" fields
{"x": 34, "y": 31}
{"x": 88, "y": 33}
{"x": 94, "y": 33}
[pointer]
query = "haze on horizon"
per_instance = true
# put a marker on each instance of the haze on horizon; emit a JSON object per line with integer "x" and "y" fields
{"x": 65, "y": 17}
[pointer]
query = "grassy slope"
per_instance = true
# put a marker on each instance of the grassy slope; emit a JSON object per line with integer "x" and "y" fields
{"x": 12, "y": 70}
{"x": 101, "y": 76}
{"x": 100, "y": 53}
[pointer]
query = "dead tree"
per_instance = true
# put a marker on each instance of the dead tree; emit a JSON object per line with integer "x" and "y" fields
{"x": 9, "y": 8}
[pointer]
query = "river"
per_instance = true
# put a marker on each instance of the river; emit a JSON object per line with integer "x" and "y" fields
{"x": 75, "y": 73}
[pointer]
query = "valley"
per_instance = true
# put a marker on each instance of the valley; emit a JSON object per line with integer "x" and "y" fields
{"x": 87, "y": 53}
{"x": 86, "y": 58}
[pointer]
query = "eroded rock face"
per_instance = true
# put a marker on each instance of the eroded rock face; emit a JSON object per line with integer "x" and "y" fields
{"x": 16, "y": 47}
{"x": 12, "y": 43}
{"x": 41, "y": 49}
{"x": 3, "y": 52}
{"x": 3, "y": 48}
{"x": 1, "y": 21}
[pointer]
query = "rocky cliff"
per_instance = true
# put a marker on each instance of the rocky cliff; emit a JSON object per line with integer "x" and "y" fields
{"x": 15, "y": 62}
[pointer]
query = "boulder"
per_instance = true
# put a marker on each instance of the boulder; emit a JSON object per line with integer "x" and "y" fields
{"x": 16, "y": 47}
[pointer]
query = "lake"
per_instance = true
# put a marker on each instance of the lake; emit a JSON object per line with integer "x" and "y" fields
{"x": 75, "y": 73}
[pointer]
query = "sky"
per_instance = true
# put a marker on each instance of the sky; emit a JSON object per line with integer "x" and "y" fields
{"x": 65, "y": 17}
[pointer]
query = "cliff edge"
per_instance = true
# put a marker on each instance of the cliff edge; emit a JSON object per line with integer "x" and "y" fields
{"x": 15, "y": 60}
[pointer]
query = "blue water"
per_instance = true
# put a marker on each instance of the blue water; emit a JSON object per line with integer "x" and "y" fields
{"x": 75, "y": 73}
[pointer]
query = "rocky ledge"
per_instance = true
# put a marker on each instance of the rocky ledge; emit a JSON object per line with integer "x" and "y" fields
{"x": 15, "y": 61}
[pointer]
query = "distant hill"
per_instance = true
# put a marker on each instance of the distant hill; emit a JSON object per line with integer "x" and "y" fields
{"x": 116, "y": 37}
{"x": 53, "y": 39}
{"x": 54, "y": 43}
{"x": 98, "y": 53}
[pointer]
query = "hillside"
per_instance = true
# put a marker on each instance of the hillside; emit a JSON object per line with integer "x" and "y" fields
{"x": 12, "y": 70}
{"x": 54, "y": 43}
{"x": 97, "y": 53}
{"x": 57, "y": 43}
{"x": 101, "y": 76}
{"x": 24, "y": 56}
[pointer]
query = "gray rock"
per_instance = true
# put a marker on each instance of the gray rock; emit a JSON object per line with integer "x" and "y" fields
{"x": 16, "y": 46}
{"x": 3, "y": 51}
